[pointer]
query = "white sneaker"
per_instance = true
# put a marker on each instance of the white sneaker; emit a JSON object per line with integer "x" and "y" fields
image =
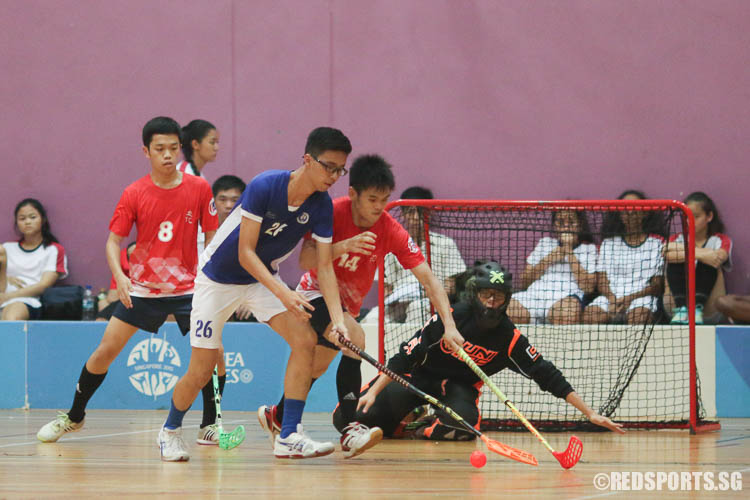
{"x": 357, "y": 438}
{"x": 172, "y": 445}
{"x": 269, "y": 422}
{"x": 62, "y": 424}
{"x": 208, "y": 435}
{"x": 299, "y": 445}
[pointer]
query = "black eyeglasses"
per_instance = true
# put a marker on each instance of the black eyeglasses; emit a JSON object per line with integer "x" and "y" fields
{"x": 340, "y": 171}
{"x": 498, "y": 296}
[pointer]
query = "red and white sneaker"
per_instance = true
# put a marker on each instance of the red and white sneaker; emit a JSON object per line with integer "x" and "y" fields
{"x": 357, "y": 438}
{"x": 269, "y": 422}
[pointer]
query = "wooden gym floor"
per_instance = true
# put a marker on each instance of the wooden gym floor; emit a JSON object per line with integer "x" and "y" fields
{"x": 115, "y": 456}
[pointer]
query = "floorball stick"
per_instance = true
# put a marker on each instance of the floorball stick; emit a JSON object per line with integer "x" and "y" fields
{"x": 567, "y": 458}
{"x": 227, "y": 440}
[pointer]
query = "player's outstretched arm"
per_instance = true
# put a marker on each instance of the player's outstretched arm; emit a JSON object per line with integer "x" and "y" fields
{"x": 363, "y": 243}
{"x": 124, "y": 286}
{"x": 574, "y": 399}
{"x": 249, "y": 260}
{"x": 436, "y": 293}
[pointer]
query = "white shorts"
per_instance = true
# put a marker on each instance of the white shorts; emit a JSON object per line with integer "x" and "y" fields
{"x": 649, "y": 302}
{"x": 214, "y": 303}
{"x": 539, "y": 304}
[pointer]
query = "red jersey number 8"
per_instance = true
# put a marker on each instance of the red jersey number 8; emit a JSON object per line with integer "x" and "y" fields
{"x": 165, "y": 231}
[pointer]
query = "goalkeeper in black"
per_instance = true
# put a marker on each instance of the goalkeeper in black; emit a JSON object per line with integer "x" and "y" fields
{"x": 492, "y": 341}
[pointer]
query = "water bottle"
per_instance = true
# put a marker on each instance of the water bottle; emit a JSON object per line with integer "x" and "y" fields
{"x": 88, "y": 306}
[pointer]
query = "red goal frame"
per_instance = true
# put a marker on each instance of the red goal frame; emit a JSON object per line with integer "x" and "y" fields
{"x": 688, "y": 228}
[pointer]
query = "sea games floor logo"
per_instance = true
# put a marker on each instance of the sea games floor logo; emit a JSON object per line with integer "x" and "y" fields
{"x": 153, "y": 362}
{"x": 236, "y": 370}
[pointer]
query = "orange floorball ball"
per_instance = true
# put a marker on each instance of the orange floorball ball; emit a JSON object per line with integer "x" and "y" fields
{"x": 478, "y": 459}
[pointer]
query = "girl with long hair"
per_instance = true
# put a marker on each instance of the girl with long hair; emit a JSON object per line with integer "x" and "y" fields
{"x": 31, "y": 264}
{"x": 713, "y": 251}
{"x": 629, "y": 267}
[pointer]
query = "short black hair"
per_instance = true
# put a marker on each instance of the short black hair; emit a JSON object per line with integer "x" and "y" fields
{"x": 160, "y": 125}
{"x": 371, "y": 171}
{"x": 327, "y": 139}
{"x": 417, "y": 193}
{"x": 226, "y": 182}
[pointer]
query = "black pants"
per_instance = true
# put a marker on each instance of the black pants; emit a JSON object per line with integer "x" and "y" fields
{"x": 395, "y": 402}
{"x": 705, "y": 279}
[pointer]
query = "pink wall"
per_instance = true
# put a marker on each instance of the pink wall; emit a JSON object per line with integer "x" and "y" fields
{"x": 482, "y": 99}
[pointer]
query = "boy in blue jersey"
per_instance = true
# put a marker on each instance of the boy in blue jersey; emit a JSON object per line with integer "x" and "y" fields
{"x": 241, "y": 266}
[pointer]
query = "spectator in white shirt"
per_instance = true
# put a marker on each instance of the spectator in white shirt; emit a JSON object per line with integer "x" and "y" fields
{"x": 30, "y": 265}
{"x": 629, "y": 268}
{"x": 559, "y": 271}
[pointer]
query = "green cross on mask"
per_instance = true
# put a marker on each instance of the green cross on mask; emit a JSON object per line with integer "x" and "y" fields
{"x": 496, "y": 277}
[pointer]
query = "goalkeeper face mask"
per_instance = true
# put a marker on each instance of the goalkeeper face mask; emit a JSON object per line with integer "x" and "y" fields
{"x": 489, "y": 291}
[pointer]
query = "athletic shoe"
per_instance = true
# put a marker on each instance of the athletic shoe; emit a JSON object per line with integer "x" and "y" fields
{"x": 299, "y": 445}
{"x": 172, "y": 445}
{"x": 269, "y": 422}
{"x": 681, "y": 316}
{"x": 357, "y": 438}
{"x": 209, "y": 435}
{"x": 699, "y": 314}
{"x": 62, "y": 424}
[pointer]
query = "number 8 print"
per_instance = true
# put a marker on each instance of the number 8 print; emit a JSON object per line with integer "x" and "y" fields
{"x": 165, "y": 231}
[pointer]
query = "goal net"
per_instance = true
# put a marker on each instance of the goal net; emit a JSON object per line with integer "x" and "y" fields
{"x": 632, "y": 366}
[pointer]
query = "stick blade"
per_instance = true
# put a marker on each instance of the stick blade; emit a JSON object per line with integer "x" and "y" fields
{"x": 572, "y": 453}
{"x": 229, "y": 440}
{"x": 509, "y": 451}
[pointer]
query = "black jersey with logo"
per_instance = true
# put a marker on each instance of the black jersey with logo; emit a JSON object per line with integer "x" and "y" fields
{"x": 493, "y": 349}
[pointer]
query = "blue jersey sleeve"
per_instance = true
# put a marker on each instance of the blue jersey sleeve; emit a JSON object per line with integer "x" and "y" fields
{"x": 255, "y": 198}
{"x": 322, "y": 229}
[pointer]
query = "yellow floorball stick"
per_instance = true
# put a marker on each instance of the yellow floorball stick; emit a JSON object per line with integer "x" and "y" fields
{"x": 567, "y": 458}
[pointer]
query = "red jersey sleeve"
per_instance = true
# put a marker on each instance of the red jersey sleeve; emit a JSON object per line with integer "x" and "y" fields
{"x": 726, "y": 242}
{"x": 57, "y": 261}
{"x": 124, "y": 217}
{"x": 209, "y": 217}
